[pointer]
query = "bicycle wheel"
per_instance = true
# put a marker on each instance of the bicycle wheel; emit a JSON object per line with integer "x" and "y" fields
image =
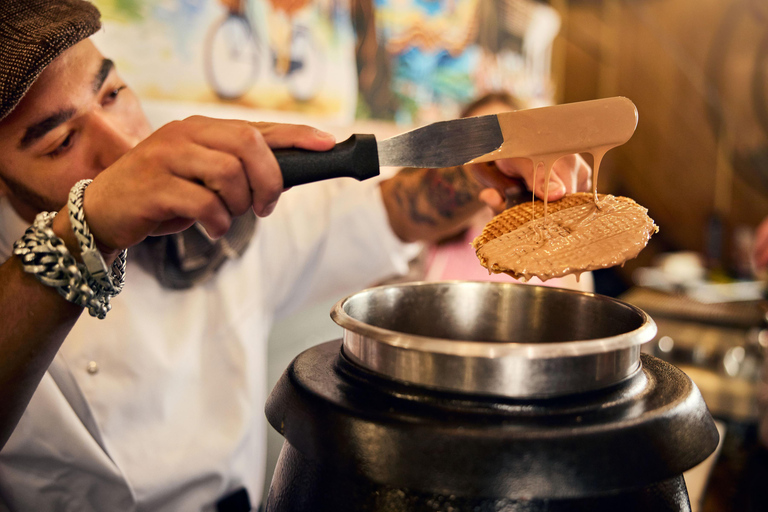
{"x": 231, "y": 57}
{"x": 305, "y": 77}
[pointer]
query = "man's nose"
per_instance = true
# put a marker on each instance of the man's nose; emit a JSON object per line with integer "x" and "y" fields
{"x": 111, "y": 139}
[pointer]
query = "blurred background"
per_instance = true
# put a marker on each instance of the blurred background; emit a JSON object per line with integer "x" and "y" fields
{"x": 696, "y": 69}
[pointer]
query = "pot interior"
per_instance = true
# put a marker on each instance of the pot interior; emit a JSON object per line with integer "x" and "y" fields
{"x": 489, "y": 312}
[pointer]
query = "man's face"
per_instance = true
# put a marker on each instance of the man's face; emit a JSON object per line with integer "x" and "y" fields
{"x": 76, "y": 120}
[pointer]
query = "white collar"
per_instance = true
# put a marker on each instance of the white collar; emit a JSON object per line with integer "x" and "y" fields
{"x": 12, "y": 226}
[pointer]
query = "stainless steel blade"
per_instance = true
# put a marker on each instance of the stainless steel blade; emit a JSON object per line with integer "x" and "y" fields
{"x": 442, "y": 144}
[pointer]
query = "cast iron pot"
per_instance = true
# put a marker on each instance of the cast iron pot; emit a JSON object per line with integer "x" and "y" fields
{"x": 468, "y": 396}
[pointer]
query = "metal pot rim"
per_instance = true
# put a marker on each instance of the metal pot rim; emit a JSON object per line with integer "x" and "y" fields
{"x": 493, "y": 349}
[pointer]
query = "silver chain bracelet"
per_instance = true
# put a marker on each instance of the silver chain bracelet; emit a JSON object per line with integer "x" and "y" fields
{"x": 46, "y": 256}
{"x": 92, "y": 258}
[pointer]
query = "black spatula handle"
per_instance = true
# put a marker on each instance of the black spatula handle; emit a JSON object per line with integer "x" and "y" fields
{"x": 357, "y": 157}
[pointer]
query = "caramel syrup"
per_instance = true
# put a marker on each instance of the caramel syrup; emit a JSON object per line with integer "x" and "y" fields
{"x": 546, "y": 134}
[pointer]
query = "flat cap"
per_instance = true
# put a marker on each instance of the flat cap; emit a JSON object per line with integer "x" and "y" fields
{"x": 32, "y": 34}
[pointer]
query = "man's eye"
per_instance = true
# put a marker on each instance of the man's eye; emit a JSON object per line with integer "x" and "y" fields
{"x": 61, "y": 148}
{"x": 112, "y": 95}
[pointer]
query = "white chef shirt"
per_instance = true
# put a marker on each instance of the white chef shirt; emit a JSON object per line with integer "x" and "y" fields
{"x": 160, "y": 406}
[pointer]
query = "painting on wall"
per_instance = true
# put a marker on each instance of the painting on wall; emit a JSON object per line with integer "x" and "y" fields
{"x": 412, "y": 61}
{"x": 295, "y": 55}
{"x": 422, "y": 60}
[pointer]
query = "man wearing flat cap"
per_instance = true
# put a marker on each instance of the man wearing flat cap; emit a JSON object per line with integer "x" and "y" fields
{"x": 153, "y": 400}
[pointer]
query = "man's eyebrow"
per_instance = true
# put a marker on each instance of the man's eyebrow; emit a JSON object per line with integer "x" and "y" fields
{"x": 101, "y": 76}
{"x": 36, "y": 131}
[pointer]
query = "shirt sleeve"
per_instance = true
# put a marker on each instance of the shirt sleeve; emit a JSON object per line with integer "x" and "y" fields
{"x": 328, "y": 240}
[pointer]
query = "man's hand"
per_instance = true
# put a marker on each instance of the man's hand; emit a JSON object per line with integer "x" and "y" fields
{"x": 502, "y": 178}
{"x": 199, "y": 169}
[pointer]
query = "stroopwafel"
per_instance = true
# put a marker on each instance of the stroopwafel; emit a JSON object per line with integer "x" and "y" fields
{"x": 575, "y": 237}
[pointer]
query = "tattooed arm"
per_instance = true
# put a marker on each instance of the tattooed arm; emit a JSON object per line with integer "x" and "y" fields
{"x": 431, "y": 204}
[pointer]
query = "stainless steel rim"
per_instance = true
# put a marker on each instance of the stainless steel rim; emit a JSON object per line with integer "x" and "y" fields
{"x": 491, "y": 367}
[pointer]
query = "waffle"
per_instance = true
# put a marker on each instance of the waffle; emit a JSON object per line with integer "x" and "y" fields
{"x": 575, "y": 237}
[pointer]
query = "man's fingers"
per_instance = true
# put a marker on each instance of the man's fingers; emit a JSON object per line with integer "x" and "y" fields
{"x": 492, "y": 198}
{"x": 553, "y": 189}
{"x": 263, "y": 174}
{"x": 488, "y": 175}
{"x": 173, "y": 226}
{"x": 566, "y": 168}
{"x": 584, "y": 175}
{"x": 188, "y": 200}
{"x": 569, "y": 174}
{"x": 280, "y": 136}
{"x": 244, "y": 141}
{"x": 253, "y": 143}
{"x": 261, "y": 164}
{"x": 220, "y": 172}
{"x": 276, "y": 137}
{"x": 574, "y": 172}
{"x": 517, "y": 168}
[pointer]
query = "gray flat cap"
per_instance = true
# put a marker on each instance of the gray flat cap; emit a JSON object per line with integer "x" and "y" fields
{"x": 32, "y": 34}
